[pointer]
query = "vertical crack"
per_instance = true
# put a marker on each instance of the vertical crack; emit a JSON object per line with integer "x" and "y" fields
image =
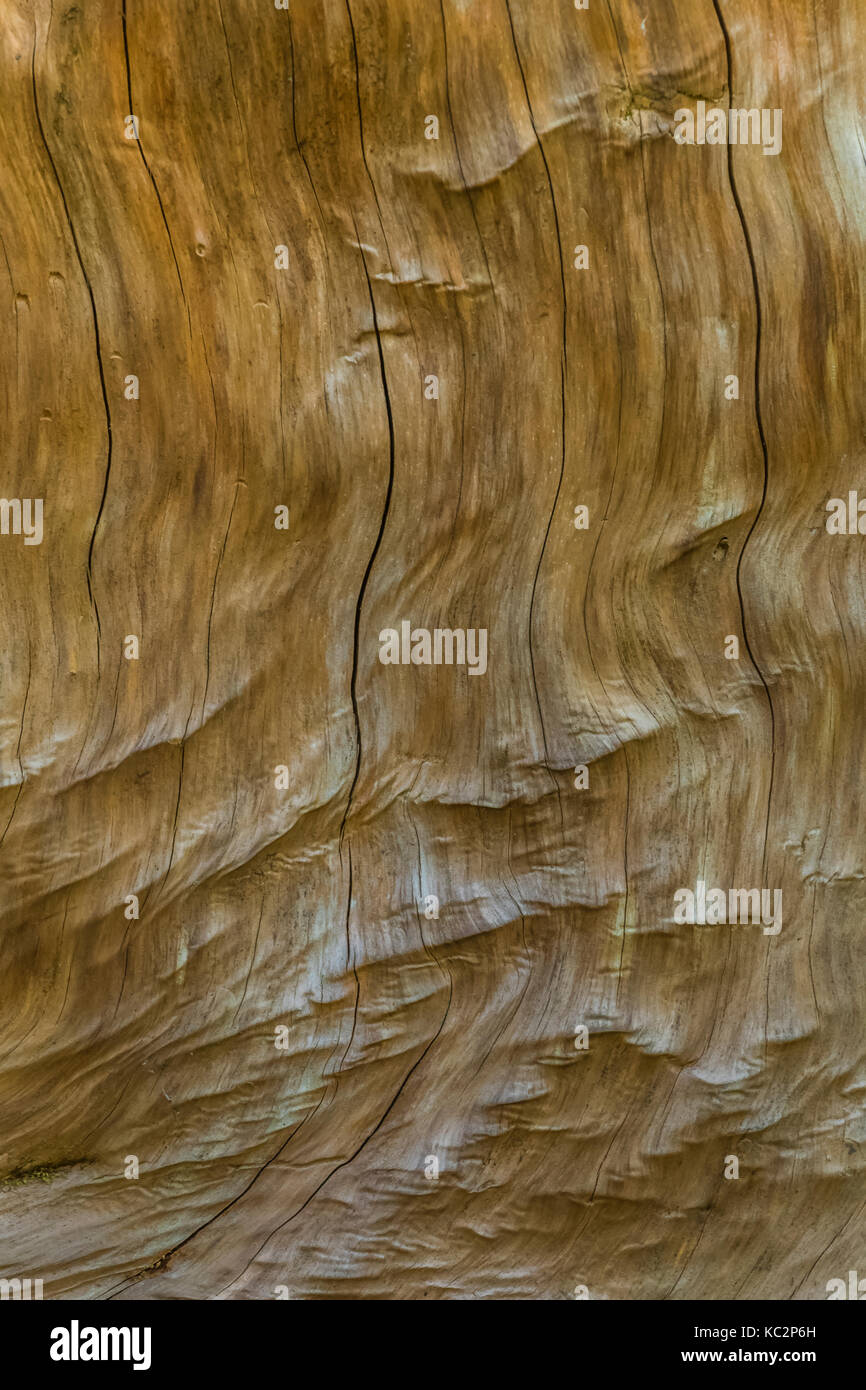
{"x": 758, "y": 326}
{"x": 361, "y": 121}
{"x": 353, "y": 686}
{"x": 563, "y": 371}
{"x": 382, "y": 524}
{"x": 98, "y": 353}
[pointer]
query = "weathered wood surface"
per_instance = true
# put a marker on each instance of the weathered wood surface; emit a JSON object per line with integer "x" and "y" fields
{"x": 412, "y": 1036}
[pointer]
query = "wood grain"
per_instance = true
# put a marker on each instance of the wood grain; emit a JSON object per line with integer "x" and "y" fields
{"x": 305, "y": 1166}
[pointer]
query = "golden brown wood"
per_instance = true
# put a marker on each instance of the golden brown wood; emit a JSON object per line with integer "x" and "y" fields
{"x": 303, "y": 1159}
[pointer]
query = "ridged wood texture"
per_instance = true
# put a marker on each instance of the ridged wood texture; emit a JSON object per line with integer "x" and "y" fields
{"x": 412, "y": 1036}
